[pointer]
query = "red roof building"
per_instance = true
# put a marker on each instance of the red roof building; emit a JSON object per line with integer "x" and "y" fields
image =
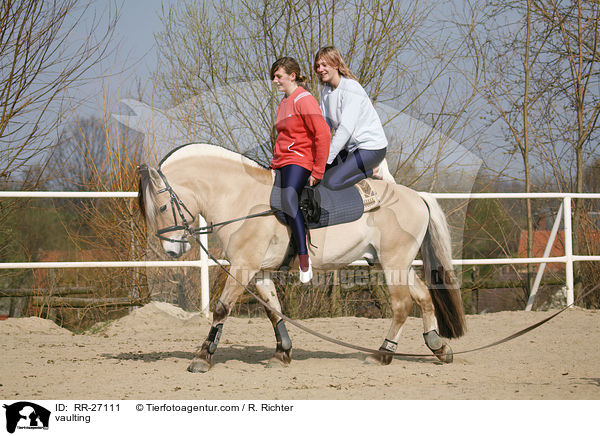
{"x": 540, "y": 240}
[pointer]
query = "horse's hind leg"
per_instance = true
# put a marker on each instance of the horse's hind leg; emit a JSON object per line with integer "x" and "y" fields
{"x": 421, "y": 295}
{"x": 202, "y": 361}
{"x": 283, "y": 350}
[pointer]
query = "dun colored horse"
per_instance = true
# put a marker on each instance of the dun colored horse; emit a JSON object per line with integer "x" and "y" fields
{"x": 222, "y": 185}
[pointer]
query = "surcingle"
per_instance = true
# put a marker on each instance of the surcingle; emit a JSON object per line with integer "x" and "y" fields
{"x": 324, "y": 207}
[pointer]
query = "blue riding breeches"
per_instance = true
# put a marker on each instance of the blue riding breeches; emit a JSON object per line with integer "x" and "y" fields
{"x": 293, "y": 180}
{"x": 350, "y": 168}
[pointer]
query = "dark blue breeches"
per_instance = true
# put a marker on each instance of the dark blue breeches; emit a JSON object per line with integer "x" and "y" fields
{"x": 350, "y": 168}
{"x": 293, "y": 180}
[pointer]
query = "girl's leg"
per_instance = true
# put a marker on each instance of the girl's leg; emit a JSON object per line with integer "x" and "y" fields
{"x": 356, "y": 166}
{"x": 293, "y": 180}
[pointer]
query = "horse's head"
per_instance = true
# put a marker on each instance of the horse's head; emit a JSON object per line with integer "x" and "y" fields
{"x": 165, "y": 209}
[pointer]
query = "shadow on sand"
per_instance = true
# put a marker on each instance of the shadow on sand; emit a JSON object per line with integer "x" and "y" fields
{"x": 251, "y": 355}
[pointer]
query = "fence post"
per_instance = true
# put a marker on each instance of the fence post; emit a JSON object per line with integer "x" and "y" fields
{"x": 204, "y": 283}
{"x": 568, "y": 249}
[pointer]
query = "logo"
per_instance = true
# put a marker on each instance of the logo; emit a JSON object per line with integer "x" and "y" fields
{"x": 25, "y": 415}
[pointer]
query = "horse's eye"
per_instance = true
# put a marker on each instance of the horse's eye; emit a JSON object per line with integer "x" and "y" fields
{"x": 163, "y": 208}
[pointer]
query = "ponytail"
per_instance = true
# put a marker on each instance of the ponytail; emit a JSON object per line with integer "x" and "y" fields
{"x": 290, "y": 65}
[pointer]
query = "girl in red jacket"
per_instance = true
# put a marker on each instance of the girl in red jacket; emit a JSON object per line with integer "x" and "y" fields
{"x": 301, "y": 149}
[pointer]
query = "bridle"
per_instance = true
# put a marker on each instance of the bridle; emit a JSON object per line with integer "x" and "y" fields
{"x": 180, "y": 207}
{"x": 177, "y": 208}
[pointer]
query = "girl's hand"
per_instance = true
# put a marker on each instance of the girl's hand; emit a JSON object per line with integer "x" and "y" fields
{"x": 312, "y": 181}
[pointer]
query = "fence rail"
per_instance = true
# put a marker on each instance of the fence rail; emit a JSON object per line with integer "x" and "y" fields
{"x": 564, "y": 213}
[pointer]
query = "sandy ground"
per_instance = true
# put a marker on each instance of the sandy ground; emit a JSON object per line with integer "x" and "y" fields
{"x": 145, "y": 355}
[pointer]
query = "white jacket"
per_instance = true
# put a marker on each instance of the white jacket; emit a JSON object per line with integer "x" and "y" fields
{"x": 348, "y": 110}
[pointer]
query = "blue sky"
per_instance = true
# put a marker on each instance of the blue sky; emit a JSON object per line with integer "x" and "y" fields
{"x": 138, "y": 22}
{"x": 132, "y": 54}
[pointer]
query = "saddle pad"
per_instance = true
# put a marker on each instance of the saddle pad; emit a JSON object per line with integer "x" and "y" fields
{"x": 337, "y": 207}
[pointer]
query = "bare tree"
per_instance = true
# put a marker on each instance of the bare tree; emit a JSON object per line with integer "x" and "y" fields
{"x": 42, "y": 53}
{"x": 100, "y": 155}
{"x": 80, "y": 154}
{"x": 538, "y": 60}
{"x": 46, "y": 47}
{"x": 511, "y": 45}
{"x": 570, "y": 130}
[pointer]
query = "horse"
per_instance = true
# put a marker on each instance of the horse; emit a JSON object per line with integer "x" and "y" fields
{"x": 222, "y": 185}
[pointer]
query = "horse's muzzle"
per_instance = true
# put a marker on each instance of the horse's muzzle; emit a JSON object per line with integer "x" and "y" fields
{"x": 176, "y": 249}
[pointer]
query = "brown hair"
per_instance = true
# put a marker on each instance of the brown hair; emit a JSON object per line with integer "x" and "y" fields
{"x": 334, "y": 58}
{"x": 290, "y": 65}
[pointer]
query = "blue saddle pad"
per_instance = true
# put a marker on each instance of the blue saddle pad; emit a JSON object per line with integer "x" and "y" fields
{"x": 337, "y": 207}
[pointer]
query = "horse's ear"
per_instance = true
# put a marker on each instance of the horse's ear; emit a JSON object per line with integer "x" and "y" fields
{"x": 148, "y": 174}
{"x": 157, "y": 181}
{"x": 142, "y": 171}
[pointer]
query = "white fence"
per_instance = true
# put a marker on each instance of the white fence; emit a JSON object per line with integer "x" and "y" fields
{"x": 204, "y": 262}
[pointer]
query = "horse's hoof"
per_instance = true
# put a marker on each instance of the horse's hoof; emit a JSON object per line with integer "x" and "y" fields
{"x": 444, "y": 354}
{"x": 199, "y": 365}
{"x": 280, "y": 359}
{"x": 380, "y": 359}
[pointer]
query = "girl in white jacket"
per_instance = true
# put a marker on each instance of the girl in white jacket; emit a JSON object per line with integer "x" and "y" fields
{"x": 358, "y": 144}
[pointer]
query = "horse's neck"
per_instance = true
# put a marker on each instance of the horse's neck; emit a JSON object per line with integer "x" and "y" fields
{"x": 223, "y": 188}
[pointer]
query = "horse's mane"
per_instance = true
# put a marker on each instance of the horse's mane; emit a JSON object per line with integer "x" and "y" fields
{"x": 194, "y": 149}
{"x": 146, "y": 195}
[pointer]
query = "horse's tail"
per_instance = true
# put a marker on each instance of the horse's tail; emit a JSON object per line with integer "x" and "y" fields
{"x": 444, "y": 288}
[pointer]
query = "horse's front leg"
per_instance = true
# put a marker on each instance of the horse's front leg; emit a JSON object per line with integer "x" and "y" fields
{"x": 283, "y": 350}
{"x": 203, "y": 360}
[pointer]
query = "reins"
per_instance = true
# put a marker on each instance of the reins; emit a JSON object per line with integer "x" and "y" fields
{"x": 176, "y": 203}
